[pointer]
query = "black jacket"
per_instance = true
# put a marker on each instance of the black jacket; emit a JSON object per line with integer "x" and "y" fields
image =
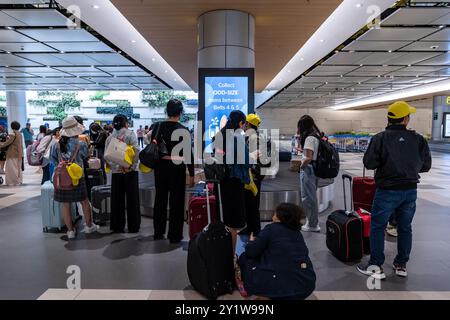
{"x": 398, "y": 155}
{"x": 277, "y": 264}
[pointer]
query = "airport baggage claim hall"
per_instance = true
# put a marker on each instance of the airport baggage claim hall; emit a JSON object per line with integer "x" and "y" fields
{"x": 343, "y": 63}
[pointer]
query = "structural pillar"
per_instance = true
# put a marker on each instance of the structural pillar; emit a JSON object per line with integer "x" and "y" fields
{"x": 16, "y": 107}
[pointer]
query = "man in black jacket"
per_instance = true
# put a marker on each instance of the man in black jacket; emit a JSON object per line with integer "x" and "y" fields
{"x": 398, "y": 155}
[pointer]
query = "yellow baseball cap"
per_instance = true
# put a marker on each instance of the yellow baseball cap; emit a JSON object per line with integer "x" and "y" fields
{"x": 254, "y": 119}
{"x": 400, "y": 109}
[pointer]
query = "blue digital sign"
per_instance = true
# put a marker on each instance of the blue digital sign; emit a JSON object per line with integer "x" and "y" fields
{"x": 222, "y": 95}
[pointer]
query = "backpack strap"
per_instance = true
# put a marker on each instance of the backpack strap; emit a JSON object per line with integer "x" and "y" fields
{"x": 74, "y": 155}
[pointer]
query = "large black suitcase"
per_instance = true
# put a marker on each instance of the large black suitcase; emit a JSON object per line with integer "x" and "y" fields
{"x": 94, "y": 178}
{"x": 345, "y": 232}
{"x": 101, "y": 204}
{"x": 210, "y": 263}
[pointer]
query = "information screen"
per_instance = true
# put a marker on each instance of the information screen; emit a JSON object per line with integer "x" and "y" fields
{"x": 446, "y": 125}
{"x": 223, "y": 95}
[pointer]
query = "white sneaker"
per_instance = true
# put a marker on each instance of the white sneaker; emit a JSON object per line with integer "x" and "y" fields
{"x": 392, "y": 231}
{"x": 91, "y": 229}
{"x": 71, "y": 235}
{"x": 307, "y": 228}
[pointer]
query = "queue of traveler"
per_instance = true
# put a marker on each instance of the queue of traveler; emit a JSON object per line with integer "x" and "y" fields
{"x": 397, "y": 154}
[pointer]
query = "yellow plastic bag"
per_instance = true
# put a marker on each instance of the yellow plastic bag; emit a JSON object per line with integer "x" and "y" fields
{"x": 144, "y": 169}
{"x": 107, "y": 168}
{"x": 252, "y": 186}
{"x": 129, "y": 155}
{"x": 75, "y": 172}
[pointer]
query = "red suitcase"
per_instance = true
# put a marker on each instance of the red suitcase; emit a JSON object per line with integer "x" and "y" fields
{"x": 363, "y": 192}
{"x": 198, "y": 212}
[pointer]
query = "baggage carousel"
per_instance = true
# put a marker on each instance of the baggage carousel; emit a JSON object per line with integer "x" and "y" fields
{"x": 275, "y": 190}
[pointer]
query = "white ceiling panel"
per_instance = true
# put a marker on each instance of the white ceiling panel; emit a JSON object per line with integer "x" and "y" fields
{"x": 443, "y": 59}
{"x": 111, "y": 80}
{"x": 441, "y": 73}
{"x": 121, "y": 87}
{"x": 373, "y": 71}
{"x": 93, "y": 86}
{"x": 35, "y": 69}
{"x": 346, "y": 58}
{"x": 40, "y": 17}
{"x": 412, "y": 58}
{"x": 77, "y": 69}
{"x": 59, "y": 35}
{"x": 130, "y": 74}
{"x": 421, "y": 69}
{"x": 76, "y": 59}
{"x": 19, "y": 75}
{"x": 442, "y": 35}
{"x": 324, "y": 70}
{"x": 12, "y": 80}
{"x": 4, "y": 70}
{"x": 51, "y": 74}
{"x": 402, "y": 73}
{"x": 415, "y": 16}
{"x": 428, "y": 46}
{"x": 378, "y": 80}
{"x": 144, "y": 80}
{"x": 376, "y": 45}
{"x": 89, "y": 74}
{"x": 11, "y": 60}
{"x": 22, "y": 1}
{"x": 121, "y": 69}
{"x": 45, "y": 59}
{"x": 8, "y": 21}
{"x": 445, "y": 20}
{"x": 109, "y": 59}
{"x": 80, "y": 46}
{"x": 13, "y": 36}
{"x": 396, "y": 34}
{"x": 25, "y": 47}
{"x": 380, "y": 58}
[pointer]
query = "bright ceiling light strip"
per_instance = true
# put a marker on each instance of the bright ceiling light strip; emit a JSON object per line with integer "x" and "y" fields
{"x": 431, "y": 88}
{"x": 112, "y": 25}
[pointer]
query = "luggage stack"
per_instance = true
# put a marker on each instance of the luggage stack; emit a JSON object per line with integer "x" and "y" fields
{"x": 357, "y": 143}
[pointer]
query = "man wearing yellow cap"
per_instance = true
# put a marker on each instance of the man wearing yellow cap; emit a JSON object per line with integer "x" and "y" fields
{"x": 398, "y": 155}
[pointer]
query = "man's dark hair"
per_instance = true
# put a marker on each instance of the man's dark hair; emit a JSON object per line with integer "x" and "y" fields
{"x": 396, "y": 121}
{"x": 15, "y": 125}
{"x": 79, "y": 119}
{"x": 174, "y": 108}
{"x": 290, "y": 215}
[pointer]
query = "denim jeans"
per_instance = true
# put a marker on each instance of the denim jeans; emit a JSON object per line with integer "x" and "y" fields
{"x": 308, "y": 195}
{"x": 402, "y": 203}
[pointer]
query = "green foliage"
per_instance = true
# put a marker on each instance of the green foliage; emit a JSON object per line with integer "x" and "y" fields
{"x": 99, "y": 96}
{"x": 3, "y": 112}
{"x": 160, "y": 98}
{"x": 57, "y": 108}
{"x": 124, "y": 109}
{"x": 2, "y": 98}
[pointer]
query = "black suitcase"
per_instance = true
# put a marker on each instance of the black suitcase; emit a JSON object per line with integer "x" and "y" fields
{"x": 94, "y": 178}
{"x": 345, "y": 232}
{"x": 210, "y": 262}
{"x": 101, "y": 204}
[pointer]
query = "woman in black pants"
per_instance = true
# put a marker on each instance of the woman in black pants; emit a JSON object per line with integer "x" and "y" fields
{"x": 125, "y": 182}
{"x": 170, "y": 174}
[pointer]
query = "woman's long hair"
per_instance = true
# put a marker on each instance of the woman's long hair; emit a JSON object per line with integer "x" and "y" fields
{"x": 307, "y": 127}
{"x": 234, "y": 120}
{"x": 63, "y": 141}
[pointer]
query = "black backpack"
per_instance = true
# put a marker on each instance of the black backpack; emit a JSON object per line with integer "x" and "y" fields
{"x": 327, "y": 164}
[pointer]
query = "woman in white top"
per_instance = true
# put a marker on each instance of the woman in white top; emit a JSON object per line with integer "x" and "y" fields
{"x": 309, "y": 143}
{"x": 46, "y": 142}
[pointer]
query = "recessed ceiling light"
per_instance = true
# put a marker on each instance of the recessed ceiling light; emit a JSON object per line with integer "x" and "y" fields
{"x": 409, "y": 65}
{"x": 10, "y": 28}
{"x": 95, "y": 6}
{"x": 358, "y": 5}
{"x": 165, "y": 71}
{"x": 8, "y": 52}
{"x": 289, "y": 71}
{"x": 361, "y": 65}
{"x": 390, "y": 51}
{"x": 434, "y": 47}
{"x": 62, "y": 52}
{"x": 321, "y": 40}
{"x": 440, "y": 27}
{"x": 153, "y": 59}
{"x": 133, "y": 41}
{"x": 301, "y": 59}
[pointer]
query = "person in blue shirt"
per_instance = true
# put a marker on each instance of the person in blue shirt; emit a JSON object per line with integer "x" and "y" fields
{"x": 28, "y": 135}
{"x": 276, "y": 263}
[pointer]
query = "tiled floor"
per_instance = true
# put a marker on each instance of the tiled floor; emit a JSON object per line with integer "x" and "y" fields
{"x": 32, "y": 262}
{"x": 87, "y": 294}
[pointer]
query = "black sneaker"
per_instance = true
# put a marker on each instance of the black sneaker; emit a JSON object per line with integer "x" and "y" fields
{"x": 400, "y": 270}
{"x": 376, "y": 272}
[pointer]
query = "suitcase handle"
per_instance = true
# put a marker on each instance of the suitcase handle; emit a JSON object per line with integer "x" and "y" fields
{"x": 208, "y": 209}
{"x": 349, "y": 178}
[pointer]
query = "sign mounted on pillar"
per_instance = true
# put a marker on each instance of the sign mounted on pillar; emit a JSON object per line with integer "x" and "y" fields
{"x": 220, "y": 92}
{"x": 446, "y": 125}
